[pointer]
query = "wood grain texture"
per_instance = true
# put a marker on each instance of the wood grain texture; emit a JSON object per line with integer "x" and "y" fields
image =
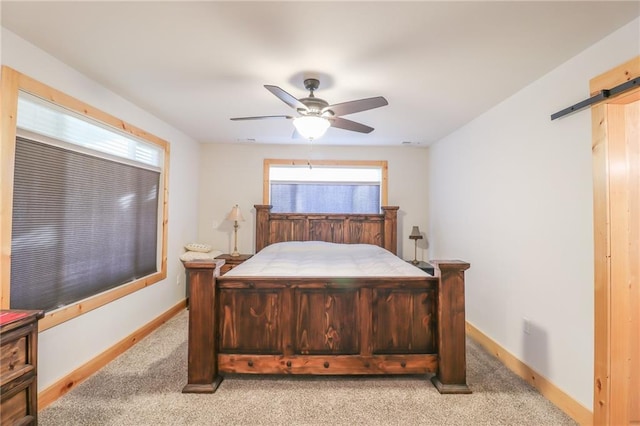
{"x": 451, "y": 327}
{"x": 376, "y": 229}
{"x": 618, "y": 75}
{"x": 250, "y": 321}
{"x": 328, "y": 364}
{"x": 327, "y": 230}
{"x": 231, "y": 262}
{"x": 19, "y": 369}
{"x": 616, "y": 216}
{"x": 202, "y": 373}
{"x": 14, "y": 361}
{"x": 602, "y": 266}
{"x": 327, "y": 321}
{"x": 404, "y": 320}
{"x": 8, "y": 117}
{"x": 619, "y": 291}
{"x": 632, "y": 118}
{"x": 330, "y": 325}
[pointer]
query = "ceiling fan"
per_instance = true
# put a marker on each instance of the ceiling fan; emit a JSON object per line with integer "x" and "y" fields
{"x": 316, "y": 115}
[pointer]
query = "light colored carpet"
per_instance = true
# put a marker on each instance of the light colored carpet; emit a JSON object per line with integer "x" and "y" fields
{"x": 143, "y": 387}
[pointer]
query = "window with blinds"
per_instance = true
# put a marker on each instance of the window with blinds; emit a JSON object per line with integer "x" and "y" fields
{"x": 85, "y": 213}
{"x": 325, "y": 189}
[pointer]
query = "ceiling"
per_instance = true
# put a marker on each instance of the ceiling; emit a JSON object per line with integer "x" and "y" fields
{"x": 196, "y": 64}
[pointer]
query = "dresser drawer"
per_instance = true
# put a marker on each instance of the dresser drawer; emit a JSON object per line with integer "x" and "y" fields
{"x": 19, "y": 366}
{"x": 14, "y": 358}
{"x": 17, "y": 402}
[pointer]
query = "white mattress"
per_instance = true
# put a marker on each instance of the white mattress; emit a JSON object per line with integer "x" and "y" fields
{"x": 322, "y": 259}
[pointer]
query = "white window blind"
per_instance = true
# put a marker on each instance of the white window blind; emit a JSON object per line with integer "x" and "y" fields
{"x": 45, "y": 118}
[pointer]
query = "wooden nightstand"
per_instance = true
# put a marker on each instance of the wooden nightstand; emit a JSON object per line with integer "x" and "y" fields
{"x": 231, "y": 262}
{"x": 425, "y": 266}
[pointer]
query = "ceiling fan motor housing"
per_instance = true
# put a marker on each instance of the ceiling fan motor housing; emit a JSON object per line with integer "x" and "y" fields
{"x": 314, "y": 105}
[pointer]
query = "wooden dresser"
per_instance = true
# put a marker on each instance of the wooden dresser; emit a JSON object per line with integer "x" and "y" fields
{"x": 18, "y": 367}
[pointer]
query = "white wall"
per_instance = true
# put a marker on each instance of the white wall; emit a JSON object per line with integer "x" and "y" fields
{"x": 511, "y": 192}
{"x": 67, "y": 346}
{"x": 232, "y": 174}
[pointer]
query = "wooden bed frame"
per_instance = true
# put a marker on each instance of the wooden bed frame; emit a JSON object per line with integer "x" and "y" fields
{"x": 326, "y": 325}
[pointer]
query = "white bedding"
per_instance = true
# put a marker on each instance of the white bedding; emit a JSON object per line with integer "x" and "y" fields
{"x": 322, "y": 259}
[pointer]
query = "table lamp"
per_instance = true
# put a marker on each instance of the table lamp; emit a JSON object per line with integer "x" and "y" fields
{"x": 415, "y": 235}
{"x": 236, "y": 216}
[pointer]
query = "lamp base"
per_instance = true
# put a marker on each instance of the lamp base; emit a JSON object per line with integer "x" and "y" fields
{"x": 415, "y": 261}
{"x": 235, "y": 239}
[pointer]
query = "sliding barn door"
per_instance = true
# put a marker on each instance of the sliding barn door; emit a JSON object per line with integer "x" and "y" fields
{"x": 616, "y": 161}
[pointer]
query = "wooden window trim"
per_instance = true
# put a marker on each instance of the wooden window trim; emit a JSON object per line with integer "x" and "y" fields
{"x": 11, "y": 83}
{"x": 382, "y": 164}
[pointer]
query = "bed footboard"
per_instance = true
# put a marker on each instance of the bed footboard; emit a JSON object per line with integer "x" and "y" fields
{"x": 410, "y": 325}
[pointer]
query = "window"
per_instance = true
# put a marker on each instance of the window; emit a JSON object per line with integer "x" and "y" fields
{"x": 295, "y": 186}
{"x": 87, "y": 201}
{"x": 64, "y": 126}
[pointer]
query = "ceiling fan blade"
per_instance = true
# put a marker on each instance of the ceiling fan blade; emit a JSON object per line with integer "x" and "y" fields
{"x": 356, "y": 106}
{"x": 262, "y": 117}
{"x": 343, "y": 123}
{"x": 286, "y": 97}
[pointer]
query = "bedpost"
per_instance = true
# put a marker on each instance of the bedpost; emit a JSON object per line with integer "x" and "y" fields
{"x": 451, "y": 376}
{"x": 391, "y": 228}
{"x": 202, "y": 372}
{"x": 262, "y": 225}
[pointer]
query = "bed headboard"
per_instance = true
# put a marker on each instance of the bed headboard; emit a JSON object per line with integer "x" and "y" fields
{"x": 377, "y": 229}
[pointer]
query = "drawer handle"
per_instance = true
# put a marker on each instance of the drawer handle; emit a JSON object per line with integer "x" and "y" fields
{"x": 289, "y": 364}
{"x": 403, "y": 364}
{"x": 326, "y": 364}
{"x": 250, "y": 363}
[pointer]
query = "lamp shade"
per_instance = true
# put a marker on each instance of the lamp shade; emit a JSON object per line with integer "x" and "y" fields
{"x": 235, "y": 214}
{"x": 415, "y": 233}
{"x": 311, "y": 126}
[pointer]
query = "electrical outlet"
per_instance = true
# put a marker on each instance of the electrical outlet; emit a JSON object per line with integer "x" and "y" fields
{"x": 526, "y": 325}
{"x": 178, "y": 279}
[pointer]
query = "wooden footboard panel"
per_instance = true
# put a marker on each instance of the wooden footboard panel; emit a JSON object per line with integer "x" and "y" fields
{"x": 327, "y": 316}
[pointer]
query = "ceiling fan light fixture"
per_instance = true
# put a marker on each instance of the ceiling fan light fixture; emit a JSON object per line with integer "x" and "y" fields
{"x": 311, "y": 126}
